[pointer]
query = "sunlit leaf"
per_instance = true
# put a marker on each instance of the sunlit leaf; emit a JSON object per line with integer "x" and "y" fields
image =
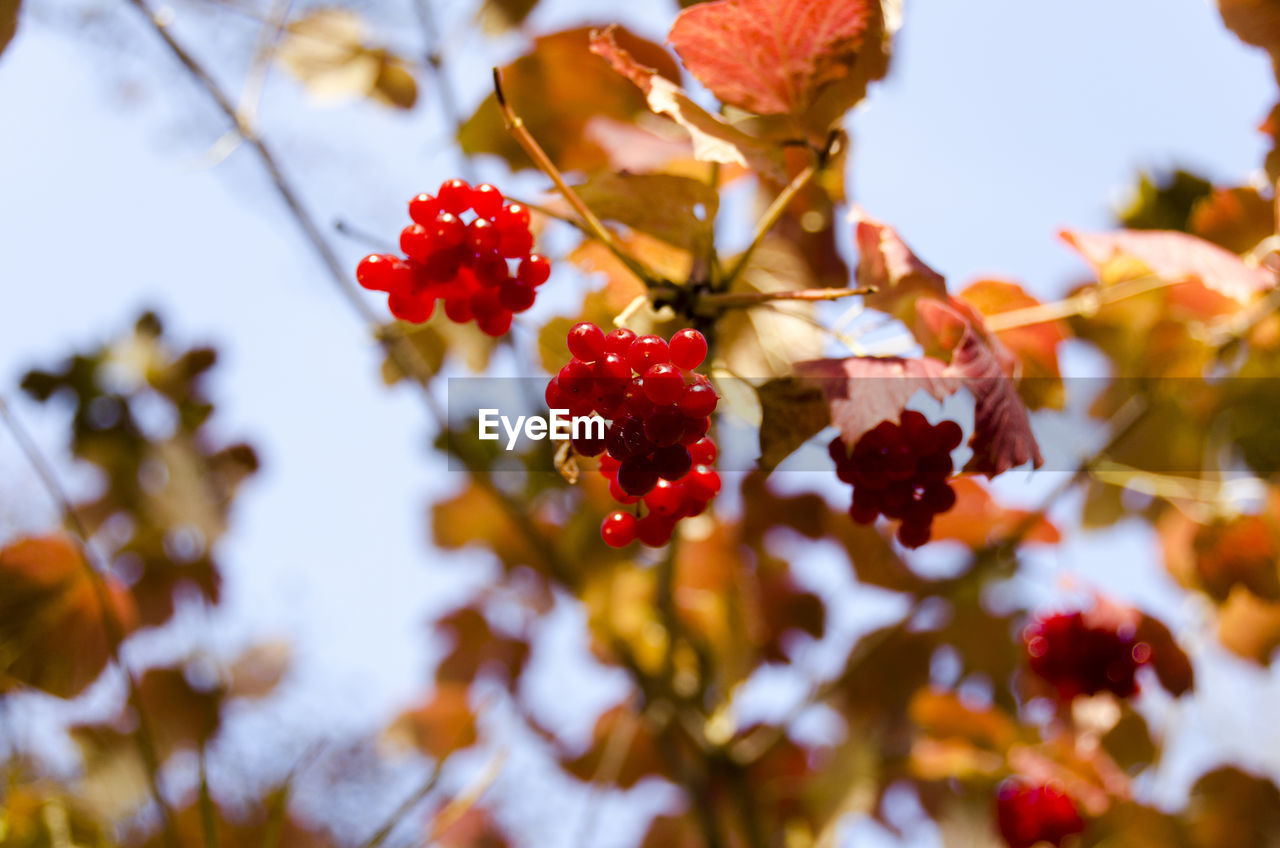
{"x": 444, "y": 724}
{"x": 1035, "y": 345}
{"x": 326, "y": 51}
{"x": 679, "y": 210}
{"x": 978, "y": 520}
{"x": 1249, "y": 626}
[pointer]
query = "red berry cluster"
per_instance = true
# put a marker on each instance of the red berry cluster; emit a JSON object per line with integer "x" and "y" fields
{"x": 900, "y": 471}
{"x": 460, "y": 258}
{"x": 1080, "y": 658}
{"x": 656, "y": 446}
{"x": 1032, "y": 815}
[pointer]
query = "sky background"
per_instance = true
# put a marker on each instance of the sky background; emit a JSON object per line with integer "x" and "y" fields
{"x": 1000, "y": 123}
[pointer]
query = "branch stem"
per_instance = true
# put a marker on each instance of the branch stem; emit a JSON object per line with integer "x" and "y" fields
{"x": 767, "y": 222}
{"x": 731, "y": 300}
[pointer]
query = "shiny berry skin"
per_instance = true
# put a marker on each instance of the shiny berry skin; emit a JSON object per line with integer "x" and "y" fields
{"x": 486, "y": 200}
{"x": 514, "y": 244}
{"x": 495, "y": 324}
{"x": 454, "y": 196}
{"x": 1079, "y": 658}
{"x": 647, "y": 351}
{"x": 698, "y": 400}
{"x": 385, "y": 273}
{"x": 654, "y": 530}
{"x": 703, "y": 482}
{"x": 619, "y": 341}
{"x": 663, "y": 383}
{"x": 586, "y": 341}
{"x": 585, "y": 446}
{"x": 636, "y": 477}
{"x": 688, "y": 349}
{"x": 949, "y": 435}
{"x": 695, "y": 430}
{"x": 423, "y": 209}
{"x": 613, "y": 368}
{"x": 672, "y": 462}
{"x": 664, "y": 426}
{"x": 618, "y": 529}
{"x": 516, "y": 296}
{"x": 412, "y": 308}
{"x": 667, "y": 498}
{"x": 617, "y": 493}
{"x": 626, "y": 439}
{"x": 512, "y": 217}
{"x": 415, "y": 241}
{"x": 1035, "y": 815}
{"x": 534, "y": 269}
{"x": 703, "y": 451}
{"x": 482, "y": 237}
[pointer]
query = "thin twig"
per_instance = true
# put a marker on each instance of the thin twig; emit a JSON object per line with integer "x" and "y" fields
{"x": 406, "y": 806}
{"x": 540, "y": 158}
{"x": 731, "y": 300}
{"x": 363, "y": 236}
{"x": 1082, "y": 303}
{"x": 144, "y": 736}
{"x": 767, "y": 222}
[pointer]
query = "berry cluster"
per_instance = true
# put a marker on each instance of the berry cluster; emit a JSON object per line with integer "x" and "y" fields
{"x": 900, "y": 471}
{"x": 656, "y": 447}
{"x": 460, "y": 258}
{"x": 1031, "y": 815}
{"x": 1080, "y": 658}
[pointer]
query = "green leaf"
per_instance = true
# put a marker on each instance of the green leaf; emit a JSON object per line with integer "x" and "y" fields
{"x": 679, "y": 210}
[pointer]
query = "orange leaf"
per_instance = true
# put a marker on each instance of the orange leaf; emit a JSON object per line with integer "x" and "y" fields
{"x": 978, "y": 520}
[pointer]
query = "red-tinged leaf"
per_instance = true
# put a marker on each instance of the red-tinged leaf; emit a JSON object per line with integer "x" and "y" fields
{"x": 1172, "y": 256}
{"x": 978, "y": 520}
{"x": 556, "y": 88}
{"x": 1171, "y": 664}
{"x": 1236, "y": 219}
{"x": 1034, "y": 345}
{"x": 53, "y": 631}
{"x": 442, "y": 725}
{"x": 885, "y": 262}
{"x": 772, "y": 56}
{"x": 1002, "y": 437}
{"x": 714, "y": 140}
{"x": 862, "y": 391}
{"x": 477, "y": 648}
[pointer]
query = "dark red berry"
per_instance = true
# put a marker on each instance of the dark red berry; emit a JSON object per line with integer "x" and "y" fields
{"x": 458, "y": 309}
{"x": 1079, "y": 658}
{"x": 694, "y": 431}
{"x": 617, "y": 493}
{"x": 618, "y": 529}
{"x": 495, "y": 324}
{"x": 688, "y": 349}
{"x": 664, "y": 426}
{"x": 588, "y": 446}
{"x": 913, "y": 534}
{"x": 698, "y": 400}
{"x": 672, "y": 462}
{"x": 654, "y": 530}
{"x": 636, "y": 476}
{"x": 949, "y": 435}
{"x": 516, "y": 296}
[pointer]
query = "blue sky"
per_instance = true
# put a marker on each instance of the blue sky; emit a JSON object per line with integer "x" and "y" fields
{"x": 1000, "y": 123}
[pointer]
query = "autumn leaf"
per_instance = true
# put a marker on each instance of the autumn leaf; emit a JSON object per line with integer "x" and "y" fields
{"x": 53, "y": 630}
{"x": 886, "y": 264}
{"x": 1034, "y": 345}
{"x": 498, "y": 16}
{"x": 1236, "y": 219}
{"x": 622, "y": 751}
{"x": 1249, "y": 627}
{"x": 477, "y": 648}
{"x": 1002, "y": 437}
{"x": 325, "y": 51}
{"x": 556, "y": 89}
{"x": 714, "y": 140}
{"x": 1255, "y": 22}
{"x": 775, "y": 57}
{"x": 978, "y": 520}
{"x": 1230, "y": 808}
{"x": 8, "y": 21}
{"x": 791, "y": 414}
{"x": 679, "y": 210}
{"x": 1173, "y": 257}
{"x": 442, "y": 725}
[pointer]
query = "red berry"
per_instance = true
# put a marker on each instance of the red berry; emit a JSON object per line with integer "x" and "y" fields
{"x": 608, "y": 465}
{"x": 454, "y": 196}
{"x": 555, "y": 396}
{"x": 613, "y": 368}
{"x": 534, "y": 269}
{"x": 516, "y": 296}
{"x": 415, "y": 241}
{"x": 663, "y": 384}
{"x": 672, "y": 462}
{"x": 703, "y": 451}
{"x": 588, "y": 446}
{"x": 688, "y": 349}
{"x": 423, "y": 209}
{"x": 949, "y": 435}
{"x": 654, "y": 530}
{"x": 617, "y": 493}
{"x": 482, "y": 236}
{"x": 385, "y": 273}
{"x": 495, "y": 324}
{"x": 513, "y": 216}
{"x": 694, "y": 430}
{"x": 647, "y": 351}
{"x": 586, "y": 341}
{"x": 698, "y": 400}
{"x": 1078, "y": 658}
{"x": 515, "y": 244}
{"x": 626, "y": 439}
{"x": 863, "y": 514}
{"x": 486, "y": 201}
{"x": 618, "y": 529}
{"x": 619, "y": 341}
{"x": 636, "y": 401}
{"x": 664, "y": 426}
{"x": 1034, "y": 815}
{"x": 447, "y": 230}
{"x": 415, "y": 309}
{"x": 636, "y": 477}
{"x": 485, "y": 304}
{"x": 912, "y": 534}
{"x": 490, "y": 269}
{"x": 667, "y": 498}
{"x": 458, "y": 309}
{"x": 702, "y": 482}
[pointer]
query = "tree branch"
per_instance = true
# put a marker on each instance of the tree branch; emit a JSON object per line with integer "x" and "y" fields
{"x": 732, "y": 300}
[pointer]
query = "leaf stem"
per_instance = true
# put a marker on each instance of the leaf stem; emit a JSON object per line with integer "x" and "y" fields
{"x": 731, "y": 300}
{"x": 515, "y": 125}
{"x": 767, "y": 222}
{"x": 1085, "y": 302}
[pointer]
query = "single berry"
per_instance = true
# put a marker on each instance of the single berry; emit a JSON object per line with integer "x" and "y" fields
{"x": 618, "y": 529}
{"x": 647, "y": 351}
{"x": 534, "y": 269}
{"x": 662, "y": 383}
{"x": 423, "y": 209}
{"x": 447, "y": 230}
{"x": 496, "y": 324}
{"x": 516, "y": 296}
{"x": 482, "y": 237}
{"x": 913, "y": 534}
{"x": 588, "y": 446}
{"x": 515, "y": 244}
{"x": 698, "y": 400}
{"x": 454, "y": 196}
{"x": 486, "y": 201}
{"x": 636, "y": 476}
{"x": 703, "y": 451}
{"x": 412, "y": 308}
{"x": 703, "y": 482}
{"x": 513, "y": 217}
{"x": 695, "y": 429}
{"x": 586, "y": 341}
{"x": 664, "y": 426}
{"x": 415, "y": 241}
{"x": 619, "y": 341}
{"x": 654, "y": 530}
{"x": 385, "y": 273}
{"x": 949, "y": 435}
{"x": 667, "y": 498}
{"x": 672, "y": 462}
{"x": 688, "y": 349}
{"x": 618, "y": 494}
